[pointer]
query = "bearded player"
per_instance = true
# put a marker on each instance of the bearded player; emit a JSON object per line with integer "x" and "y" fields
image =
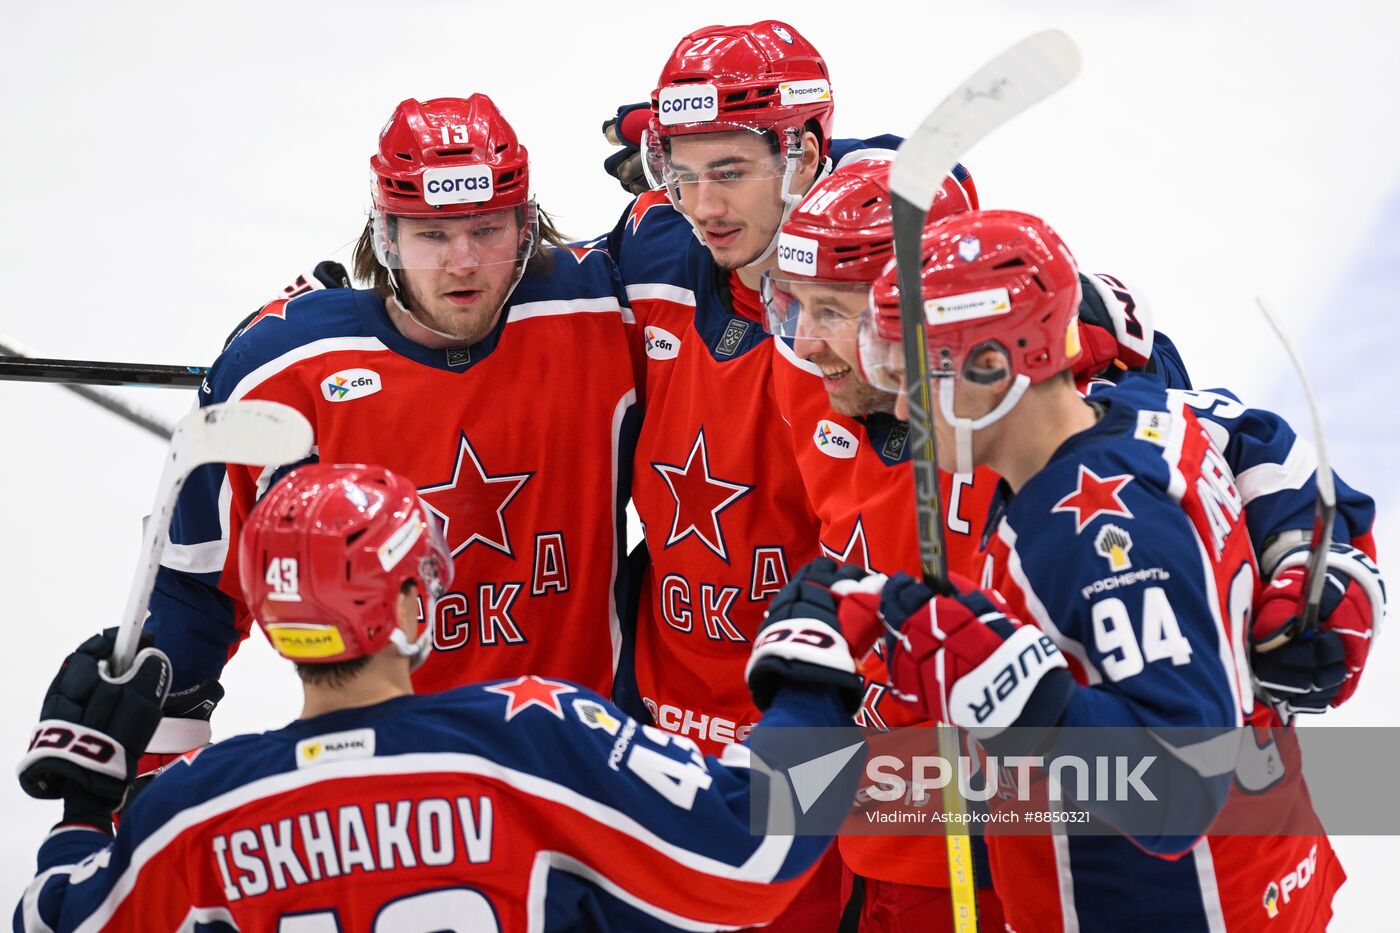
{"x": 486, "y": 363}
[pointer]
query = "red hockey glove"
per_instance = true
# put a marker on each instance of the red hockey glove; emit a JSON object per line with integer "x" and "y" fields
{"x": 801, "y": 640}
{"x": 961, "y": 659}
{"x": 1306, "y": 672}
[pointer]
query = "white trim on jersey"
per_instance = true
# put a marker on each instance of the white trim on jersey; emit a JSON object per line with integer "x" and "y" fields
{"x": 203, "y": 915}
{"x": 628, "y": 399}
{"x": 1266, "y": 478}
{"x": 1064, "y": 878}
{"x": 789, "y": 354}
{"x": 762, "y": 866}
{"x": 556, "y": 306}
{"x": 1042, "y": 618}
{"x": 658, "y": 291}
{"x": 304, "y": 352}
{"x": 538, "y": 894}
{"x": 1210, "y": 886}
{"x": 29, "y": 903}
{"x": 1229, "y": 650}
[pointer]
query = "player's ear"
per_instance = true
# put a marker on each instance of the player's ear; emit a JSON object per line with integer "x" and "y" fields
{"x": 408, "y": 608}
{"x": 811, "y": 157}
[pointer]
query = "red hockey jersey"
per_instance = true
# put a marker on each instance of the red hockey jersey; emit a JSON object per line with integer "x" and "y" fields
{"x": 520, "y": 444}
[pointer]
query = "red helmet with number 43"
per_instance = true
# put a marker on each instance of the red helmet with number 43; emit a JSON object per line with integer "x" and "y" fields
{"x": 999, "y": 278}
{"x": 325, "y": 554}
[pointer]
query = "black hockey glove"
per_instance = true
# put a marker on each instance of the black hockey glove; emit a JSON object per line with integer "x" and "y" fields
{"x": 93, "y": 727}
{"x": 626, "y": 130}
{"x": 800, "y": 639}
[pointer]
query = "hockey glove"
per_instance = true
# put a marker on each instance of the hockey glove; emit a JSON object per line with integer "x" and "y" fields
{"x": 1114, "y": 325}
{"x": 184, "y": 726}
{"x": 626, "y": 130}
{"x": 961, "y": 659}
{"x": 1306, "y": 672}
{"x": 93, "y": 727}
{"x": 800, "y": 639}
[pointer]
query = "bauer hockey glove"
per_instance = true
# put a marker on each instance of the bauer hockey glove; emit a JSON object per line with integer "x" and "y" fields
{"x": 800, "y": 639}
{"x": 1306, "y": 672}
{"x": 962, "y": 659}
{"x": 627, "y": 164}
{"x": 93, "y": 727}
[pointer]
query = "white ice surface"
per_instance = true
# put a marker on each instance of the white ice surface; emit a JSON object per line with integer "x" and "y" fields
{"x": 165, "y": 169}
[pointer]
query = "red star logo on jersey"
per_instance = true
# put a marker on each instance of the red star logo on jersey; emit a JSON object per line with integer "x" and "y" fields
{"x": 1095, "y": 496}
{"x": 472, "y": 505}
{"x": 856, "y": 552}
{"x": 580, "y": 253}
{"x": 700, "y": 498}
{"x": 277, "y": 309}
{"x": 645, "y": 202}
{"x": 528, "y": 691}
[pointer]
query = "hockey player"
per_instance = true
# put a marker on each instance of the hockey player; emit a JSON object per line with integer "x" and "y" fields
{"x": 1127, "y": 570}
{"x": 523, "y": 804}
{"x": 451, "y": 370}
{"x": 851, "y": 456}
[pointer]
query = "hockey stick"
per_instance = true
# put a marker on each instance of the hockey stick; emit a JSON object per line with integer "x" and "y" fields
{"x": 250, "y": 432}
{"x": 117, "y": 406}
{"x": 92, "y": 372}
{"x": 1324, "y": 509}
{"x": 1012, "y": 82}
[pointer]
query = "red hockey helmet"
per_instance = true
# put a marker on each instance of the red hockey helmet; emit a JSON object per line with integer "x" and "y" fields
{"x": 990, "y": 278}
{"x": 325, "y": 553}
{"x": 449, "y": 156}
{"x": 843, "y": 234}
{"x": 452, "y": 158}
{"x": 763, "y": 76}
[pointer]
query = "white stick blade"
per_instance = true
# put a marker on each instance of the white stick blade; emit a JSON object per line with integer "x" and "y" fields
{"x": 249, "y": 432}
{"x": 1029, "y": 71}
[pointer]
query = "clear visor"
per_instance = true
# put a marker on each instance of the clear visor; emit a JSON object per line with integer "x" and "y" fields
{"x": 881, "y": 360}
{"x": 456, "y": 241}
{"x": 801, "y": 307}
{"x": 730, "y": 157}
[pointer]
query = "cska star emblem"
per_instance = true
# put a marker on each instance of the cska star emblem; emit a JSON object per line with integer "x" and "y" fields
{"x": 700, "y": 498}
{"x": 1094, "y": 496}
{"x": 644, "y": 203}
{"x": 856, "y": 550}
{"x": 472, "y": 505}
{"x": 277, "y": 309}
{"x": 525, "y": 692}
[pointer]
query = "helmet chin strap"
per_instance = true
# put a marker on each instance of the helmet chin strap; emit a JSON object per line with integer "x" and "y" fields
{"x": 416, "y": 651}
{"x": 963, "y": 428}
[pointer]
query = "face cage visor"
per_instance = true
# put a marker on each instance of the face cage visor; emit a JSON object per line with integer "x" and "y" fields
{"x": 456, "y": 242}
{"x": 436, "y": 569}
{"x": 802, "y": 307}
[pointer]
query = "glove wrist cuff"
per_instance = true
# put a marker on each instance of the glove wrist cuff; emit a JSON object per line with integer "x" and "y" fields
{"x": 175, "y": 736}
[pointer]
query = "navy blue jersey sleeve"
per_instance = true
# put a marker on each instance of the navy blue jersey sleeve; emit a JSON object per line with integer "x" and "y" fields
{"x": 1276, "y": 472}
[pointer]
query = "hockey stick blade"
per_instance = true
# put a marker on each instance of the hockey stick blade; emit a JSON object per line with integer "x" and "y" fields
{"x": 250, "y": 432}
{"x": 1023, "y": 75}
{"x": 1012, "y": 82}
{"x": 1325, "y": 509}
